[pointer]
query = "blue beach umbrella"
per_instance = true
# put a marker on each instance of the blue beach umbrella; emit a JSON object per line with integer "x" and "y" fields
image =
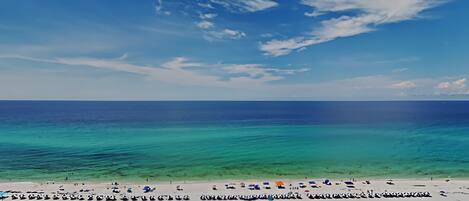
{"x": 146, "y": 188}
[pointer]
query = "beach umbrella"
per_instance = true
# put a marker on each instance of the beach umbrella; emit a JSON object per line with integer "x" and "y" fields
{"x": 279, "y": 183}
{"x": 146, "y": 188}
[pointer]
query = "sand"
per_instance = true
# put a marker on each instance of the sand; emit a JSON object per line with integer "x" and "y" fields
{"x": 439, "y": 189}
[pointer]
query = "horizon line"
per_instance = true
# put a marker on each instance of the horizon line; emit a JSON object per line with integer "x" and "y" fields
{"x": 229, "y": 100}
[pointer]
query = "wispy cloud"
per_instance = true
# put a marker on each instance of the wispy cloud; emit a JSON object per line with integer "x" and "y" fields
{"x": 313, "y": 14}
{"x": 158, "y": 5}
{"x": 258, "y": 71}
{"x": 266, "y": 35}
{"x": 224, "y": 34}
{"x": 453, "y": 85}
{"x": 159, "y": 8}
{"x": 398, "y": 60}
{"x": 283, "y": 47}
{"x": 403, "y": 85}
{"x": 206, "y": 5}
{"x": 399, "y": 70}
{"x": 123, "y": 57}
{"x": 180, "y": 71}
{"x": 179, "y": 63}
{"x": 246, "y": 6}
{"x": 369, "y": 14}
{"x": 205, "y": 24}
{"x": 260, "y": 80}
{"x": 207, "y": 15}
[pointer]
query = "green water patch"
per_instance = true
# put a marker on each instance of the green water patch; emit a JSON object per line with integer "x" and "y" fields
{"x": 80, "y": 152}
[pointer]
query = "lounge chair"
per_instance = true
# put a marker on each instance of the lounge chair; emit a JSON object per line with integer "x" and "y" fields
{"x": 266, "y": 185}
{"x": 301, "y": 185}
{"x": 312, "y": 184}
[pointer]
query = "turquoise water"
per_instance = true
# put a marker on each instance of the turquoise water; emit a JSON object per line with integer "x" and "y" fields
{"x": 74, "y": 143}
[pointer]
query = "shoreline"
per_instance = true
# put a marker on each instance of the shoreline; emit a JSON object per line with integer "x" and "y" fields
{"x": 191, "y": 180}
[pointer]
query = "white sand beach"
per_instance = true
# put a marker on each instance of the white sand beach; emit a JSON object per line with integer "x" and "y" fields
{"x": 438, "y": 189}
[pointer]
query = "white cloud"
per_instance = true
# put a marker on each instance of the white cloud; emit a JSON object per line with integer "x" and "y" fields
{"x": 260, "y": 80}
{"x": 452, "y": 85}
{"x": 207, "y": 16}
{"x": 224, "y": 34}
{"x": 390, "y": 11}
{"x": 205, "y": 24}
{"x": 266, "y": 35}
{"x": 206, "y": 5}
{"x": 258, "y": 71}
{"x": 313, "y": 14}
{"x": 123, "y": 57}
{"x": 181, "y": 71}
{"x": 369, "y": 14}
{"x": 399, "y": 60}
{"x": 289, "y": 71}
{"x": 159, "y": 8}
{"x": 399, "y": 70}
{"x": 283, "y": 47}
{"x": 179, "y": 63}
{"x": 170, "y": 72}
{"x": 246, "y": 5}
{"x": 252, "y": 71}
{"x": 234, "y": 33}
{"x": 250, "y": 81}
{"x": 452, "y": 88}
{"x": 403, "y": 85}
{"x": 158, "y": 5}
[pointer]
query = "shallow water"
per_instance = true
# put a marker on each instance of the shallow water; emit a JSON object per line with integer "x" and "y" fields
{"x": 135, "y": 141}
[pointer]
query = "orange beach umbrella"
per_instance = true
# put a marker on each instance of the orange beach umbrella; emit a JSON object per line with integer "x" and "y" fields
{"x": 279, "y": 183}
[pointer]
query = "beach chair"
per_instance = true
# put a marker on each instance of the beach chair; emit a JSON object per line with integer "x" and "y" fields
{"x": 266, "y": 185}
{"x": 312, "y": 184}
{"x": 349, "y": 184}
{"x": 302, "y": 185}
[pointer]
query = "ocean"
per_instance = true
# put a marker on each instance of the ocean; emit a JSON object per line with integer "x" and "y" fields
{"x": 214, "y": 140}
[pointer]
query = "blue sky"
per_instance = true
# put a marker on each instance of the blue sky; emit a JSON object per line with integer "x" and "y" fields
{"x": 234, "y": 49}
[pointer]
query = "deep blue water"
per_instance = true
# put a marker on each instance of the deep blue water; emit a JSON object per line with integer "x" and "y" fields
{"x": 225, "y": 112}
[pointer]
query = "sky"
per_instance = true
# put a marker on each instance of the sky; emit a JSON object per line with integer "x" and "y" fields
{"x": 234, "y": 50}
